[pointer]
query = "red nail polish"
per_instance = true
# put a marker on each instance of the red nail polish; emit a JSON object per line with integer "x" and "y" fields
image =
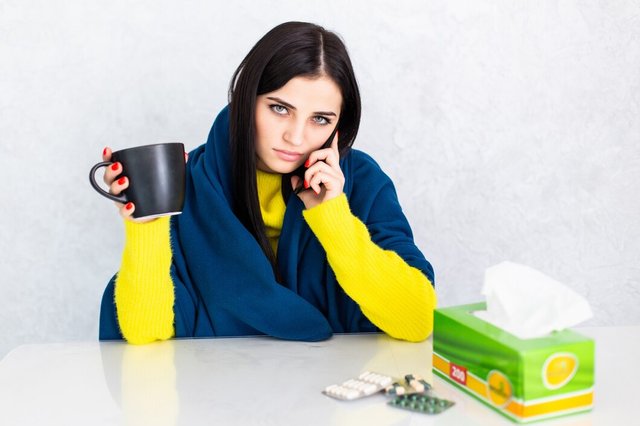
{"x": 114, "y": 166}
{"x": 122, "y": 180}
{"x": 129, "y": 206}
{"x": 104, "y": 152}
{"x": 306, "y": 184}
{"x": 307, "y": 163}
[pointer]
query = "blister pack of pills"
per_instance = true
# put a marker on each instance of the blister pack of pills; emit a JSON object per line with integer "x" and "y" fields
{"x": 366, "y": 384}
{"x": 414, "y": 395}
{"x": 421, "y": 403}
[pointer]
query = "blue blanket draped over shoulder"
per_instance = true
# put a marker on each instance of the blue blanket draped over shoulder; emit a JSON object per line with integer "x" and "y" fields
{"x": 225, "y": 285}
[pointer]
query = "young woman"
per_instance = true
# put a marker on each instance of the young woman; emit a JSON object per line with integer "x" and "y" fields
{"x": 261, "y": 248}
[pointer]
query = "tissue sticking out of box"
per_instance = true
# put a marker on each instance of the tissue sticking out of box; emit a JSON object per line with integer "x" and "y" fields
{"x": 529, "y": 304}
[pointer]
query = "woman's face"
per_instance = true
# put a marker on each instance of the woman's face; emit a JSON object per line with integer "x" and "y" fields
{"x": 294, "y": 121}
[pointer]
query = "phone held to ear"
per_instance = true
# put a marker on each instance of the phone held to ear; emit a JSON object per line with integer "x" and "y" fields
{"x": 300, "y": 170}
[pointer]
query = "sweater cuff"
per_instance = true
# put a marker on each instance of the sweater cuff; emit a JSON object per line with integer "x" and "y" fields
{"x": 148, "y": 233}
{"x": 331, "y": 221}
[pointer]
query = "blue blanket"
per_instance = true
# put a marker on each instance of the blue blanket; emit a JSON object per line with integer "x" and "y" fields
{"x": 225, "y": 285}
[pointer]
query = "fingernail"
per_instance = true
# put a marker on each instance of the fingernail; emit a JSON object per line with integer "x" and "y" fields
{"x": 122, "y": 180}
{"x": 104, "y": 151}
{"x": 307, "y": 163}
{"x": 114, "y": 166}
{"x": 129, "y": 206}
{"x": 306, "y": 184}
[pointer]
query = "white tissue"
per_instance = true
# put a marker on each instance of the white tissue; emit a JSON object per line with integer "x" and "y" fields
{"x": 529, "y": 304}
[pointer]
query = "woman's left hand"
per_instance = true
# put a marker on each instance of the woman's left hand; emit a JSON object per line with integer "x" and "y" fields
{"x": 323, "y": 167}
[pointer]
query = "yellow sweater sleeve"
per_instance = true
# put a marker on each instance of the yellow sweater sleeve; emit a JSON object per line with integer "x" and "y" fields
{"x": 396, "y": 297}
{"x": 144, "y": 291}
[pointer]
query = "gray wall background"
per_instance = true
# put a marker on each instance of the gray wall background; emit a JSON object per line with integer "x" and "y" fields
{"x": 511, "y": 129}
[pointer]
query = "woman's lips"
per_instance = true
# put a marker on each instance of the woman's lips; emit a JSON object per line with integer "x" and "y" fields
{"x": 288, "y": 155}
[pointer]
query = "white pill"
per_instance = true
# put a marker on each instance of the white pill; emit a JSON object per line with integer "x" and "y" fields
{"x": 352, "y": 394}
{"x": 364, "y": 374}
{"x": 369, "y": 389}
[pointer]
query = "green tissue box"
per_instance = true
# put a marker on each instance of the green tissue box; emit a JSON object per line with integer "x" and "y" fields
{"x": 524, "y": 379}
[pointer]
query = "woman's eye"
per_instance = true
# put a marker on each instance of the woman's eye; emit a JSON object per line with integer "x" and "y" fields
{"x": 278, "y": 109}
{"x": 318, "y": 119}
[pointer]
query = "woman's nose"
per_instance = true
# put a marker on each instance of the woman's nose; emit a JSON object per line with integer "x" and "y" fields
{"x": 295, "y": 134}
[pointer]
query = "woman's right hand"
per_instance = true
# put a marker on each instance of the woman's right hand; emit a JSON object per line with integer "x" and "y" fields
{"x": 117, "y": 184}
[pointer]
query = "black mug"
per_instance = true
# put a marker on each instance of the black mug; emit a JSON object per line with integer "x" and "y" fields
{"x": 156, "y": 176}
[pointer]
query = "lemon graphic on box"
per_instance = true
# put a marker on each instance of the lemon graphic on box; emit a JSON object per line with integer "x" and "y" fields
{"x": 499, "y": 387}
{"x": 559, "y": 369}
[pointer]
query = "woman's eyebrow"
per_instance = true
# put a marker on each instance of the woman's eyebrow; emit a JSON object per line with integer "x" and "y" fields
{"x": 288, "y": 105}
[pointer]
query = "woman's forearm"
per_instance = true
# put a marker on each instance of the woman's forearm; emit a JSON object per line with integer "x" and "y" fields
{"x": 396, "y": 297}
{"x": 144, "y": 293}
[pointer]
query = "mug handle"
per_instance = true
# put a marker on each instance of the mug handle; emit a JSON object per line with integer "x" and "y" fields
{"x": 92, "y": 179}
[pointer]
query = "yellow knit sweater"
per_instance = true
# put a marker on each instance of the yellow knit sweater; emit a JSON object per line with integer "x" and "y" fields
{"x": 392, "y": 294}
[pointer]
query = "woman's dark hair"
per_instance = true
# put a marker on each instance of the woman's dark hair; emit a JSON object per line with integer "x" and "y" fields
{"x": 292, "y": 49}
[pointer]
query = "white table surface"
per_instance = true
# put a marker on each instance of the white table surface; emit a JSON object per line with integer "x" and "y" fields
{"x": 266, "y": 381}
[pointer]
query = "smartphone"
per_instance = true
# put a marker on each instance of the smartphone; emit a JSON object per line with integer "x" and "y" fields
{"x": 300, "y": 170}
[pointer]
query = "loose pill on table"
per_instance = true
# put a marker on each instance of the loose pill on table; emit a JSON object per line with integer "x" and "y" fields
{"x": 395, "y": 389}
{"x": 417, "y": 383}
